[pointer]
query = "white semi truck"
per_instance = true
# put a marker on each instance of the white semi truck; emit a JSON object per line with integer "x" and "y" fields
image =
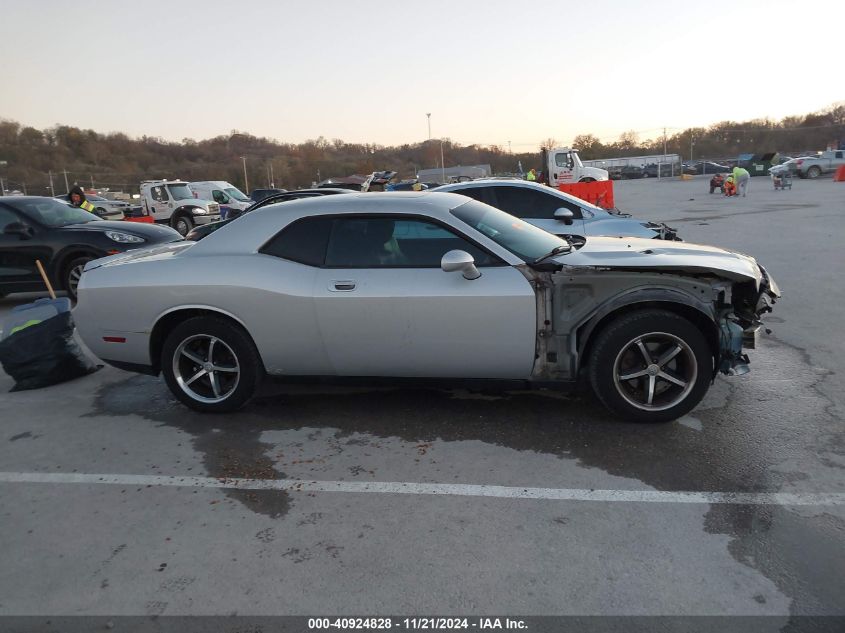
{"x": 172, "y": 202}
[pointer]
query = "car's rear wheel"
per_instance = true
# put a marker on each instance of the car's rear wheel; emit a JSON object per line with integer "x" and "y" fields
{"x": 73, "y": 273}
{"x": 651, "y": 366}
{"x": 183, "y": 225}
{"x": 211, "y": 364}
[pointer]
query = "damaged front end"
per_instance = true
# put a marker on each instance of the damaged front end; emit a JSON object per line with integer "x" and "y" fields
{"x": 663, "y": 231}
{"x": 740, "y": 321}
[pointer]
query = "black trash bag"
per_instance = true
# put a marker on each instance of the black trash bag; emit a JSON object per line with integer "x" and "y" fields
{"x": 44, "y": 354}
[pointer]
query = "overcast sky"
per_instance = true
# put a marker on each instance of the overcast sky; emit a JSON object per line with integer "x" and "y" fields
{"x": 489, "y": 72}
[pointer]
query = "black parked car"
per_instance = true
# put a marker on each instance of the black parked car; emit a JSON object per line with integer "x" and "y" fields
{"x": 629, "y": 172}
{"x": 202, "y": 230}
{"x": 258, "y": 195}
{"x": 706, "y": 167}
{"x": 64, "y": 239}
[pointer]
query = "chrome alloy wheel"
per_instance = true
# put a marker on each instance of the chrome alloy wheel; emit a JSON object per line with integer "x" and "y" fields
{"x": 655, "y": 371}
{"x": 206, "y": 368}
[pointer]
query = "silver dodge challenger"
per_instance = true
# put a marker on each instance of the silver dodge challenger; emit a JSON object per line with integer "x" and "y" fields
{"x": 428, "y": 287}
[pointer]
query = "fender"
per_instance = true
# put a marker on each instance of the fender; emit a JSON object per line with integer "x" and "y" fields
{"x": 632, "y": 297}
{"x": 61, "y": 258}
{"x": 185, "y": 208}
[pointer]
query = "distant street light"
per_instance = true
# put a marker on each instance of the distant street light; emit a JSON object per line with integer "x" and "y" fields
{"x": 428, "y": 114}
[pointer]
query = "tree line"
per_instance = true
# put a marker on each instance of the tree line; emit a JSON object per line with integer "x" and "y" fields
{"x": 29, "y": 157}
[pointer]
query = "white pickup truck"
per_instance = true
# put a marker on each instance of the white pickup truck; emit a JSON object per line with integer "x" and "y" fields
{"x": 824, "y": 163}
{"x": 172, "y": 202}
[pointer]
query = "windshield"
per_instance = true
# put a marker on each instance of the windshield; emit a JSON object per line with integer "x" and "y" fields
{"x": 53, "y": 213}
{"x": 180, "y": 192}
{"x": 237, "y": 195}
{"x": 522, "y": 239}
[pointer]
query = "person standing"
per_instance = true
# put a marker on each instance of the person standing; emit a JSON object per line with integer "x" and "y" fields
{"x": 532, "y": 175}
{"x": 77, "y": 198}
{"x": 741, "y": 178}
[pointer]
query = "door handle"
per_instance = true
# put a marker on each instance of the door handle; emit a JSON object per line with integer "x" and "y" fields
{"x": 342, "y": 285}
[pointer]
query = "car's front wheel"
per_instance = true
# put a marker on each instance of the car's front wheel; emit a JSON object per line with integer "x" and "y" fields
{"x": 651, "y": 366}
{"x": 73, "y": 273}
{"x": 814, "y": 172}
{"x": 211, "y": 364}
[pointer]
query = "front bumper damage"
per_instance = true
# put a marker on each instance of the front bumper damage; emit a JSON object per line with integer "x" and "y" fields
{"x": 739, "y": 327}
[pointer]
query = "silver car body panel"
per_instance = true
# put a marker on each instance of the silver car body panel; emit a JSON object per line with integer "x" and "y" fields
{"x": 516, "y": 321}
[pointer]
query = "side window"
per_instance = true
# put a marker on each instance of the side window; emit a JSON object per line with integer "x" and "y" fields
{"x": 564, "y": 160}
{"x": 6, "y": 218}
{"x": 159, "y": 194}
{"x": 476, "y": 193}
{"x": 528, "y": 203}
{"x": 304, "y": 241}
{"x": 219, "y": 196}
{"x": 392, "y": 242}
{"x": 838, "y": 154}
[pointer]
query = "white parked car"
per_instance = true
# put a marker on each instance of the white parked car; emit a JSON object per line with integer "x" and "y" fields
{"x": 424, "y": 286}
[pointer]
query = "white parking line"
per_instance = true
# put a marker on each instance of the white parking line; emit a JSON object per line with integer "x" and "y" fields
{"x": 460, "y": 490}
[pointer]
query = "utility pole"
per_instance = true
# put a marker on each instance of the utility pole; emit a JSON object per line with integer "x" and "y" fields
{"x": 428, "y": 114}
{"x": 52, "y": 191}
{"x": 67, "y": 186}
{"x": 442, "y": 163}
{"x": 246, "y": 182}
{"x": 664, "y": 144}
{"x": 509, "y": 148}
{"x": 92, "y": 182}
{"x": 272, "y": 177}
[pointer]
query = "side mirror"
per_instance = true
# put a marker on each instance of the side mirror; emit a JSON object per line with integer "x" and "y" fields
{"x": 460, "y": 261}
{"x": 18, "y": 228}
{"x": 564, "y": 215}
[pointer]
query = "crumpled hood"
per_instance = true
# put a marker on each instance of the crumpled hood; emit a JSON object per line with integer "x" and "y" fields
{"x": 683, "y": 257}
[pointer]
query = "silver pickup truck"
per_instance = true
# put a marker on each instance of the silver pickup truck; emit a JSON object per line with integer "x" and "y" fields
{"x": 824, "y": 163}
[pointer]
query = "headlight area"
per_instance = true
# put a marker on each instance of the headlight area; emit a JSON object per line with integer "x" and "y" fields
{"x": 124, "y": 238}
{"x": 199, "y": 211}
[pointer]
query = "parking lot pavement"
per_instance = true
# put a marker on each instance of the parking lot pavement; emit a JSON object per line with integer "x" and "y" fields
{"x": 116, "y": 500}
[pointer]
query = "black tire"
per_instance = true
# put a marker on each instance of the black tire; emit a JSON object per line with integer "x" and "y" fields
{"x": 617, "y": 354}
{"x": 233, "y": 389}
{"x": 183, "y": 224}
{"x": 72, "y": 272}
{"x": 814, "y": 172}
{"x": 587, "y": 180}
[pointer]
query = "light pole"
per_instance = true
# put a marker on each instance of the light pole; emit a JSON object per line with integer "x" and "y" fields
{"x": 246, "y": 183}
{"x": 428, "y": 114}
{"x": 442, "y": 163}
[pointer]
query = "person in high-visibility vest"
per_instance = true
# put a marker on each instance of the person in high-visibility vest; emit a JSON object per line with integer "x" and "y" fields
{"x": 78, "y": 199}
{"x": 741, "y": 177}
{"x": 532, "y": 175}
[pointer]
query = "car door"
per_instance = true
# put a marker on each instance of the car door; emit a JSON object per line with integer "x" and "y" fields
{"x": 538, "y": 208}
{"x": 18, "y": 255}
{"x": 385, "y": 307}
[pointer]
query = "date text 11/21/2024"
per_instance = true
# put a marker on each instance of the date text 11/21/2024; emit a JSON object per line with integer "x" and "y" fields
{"x": 418, "y": 623}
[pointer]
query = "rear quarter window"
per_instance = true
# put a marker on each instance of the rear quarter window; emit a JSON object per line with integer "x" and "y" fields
{"x": 304, "y": 241}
